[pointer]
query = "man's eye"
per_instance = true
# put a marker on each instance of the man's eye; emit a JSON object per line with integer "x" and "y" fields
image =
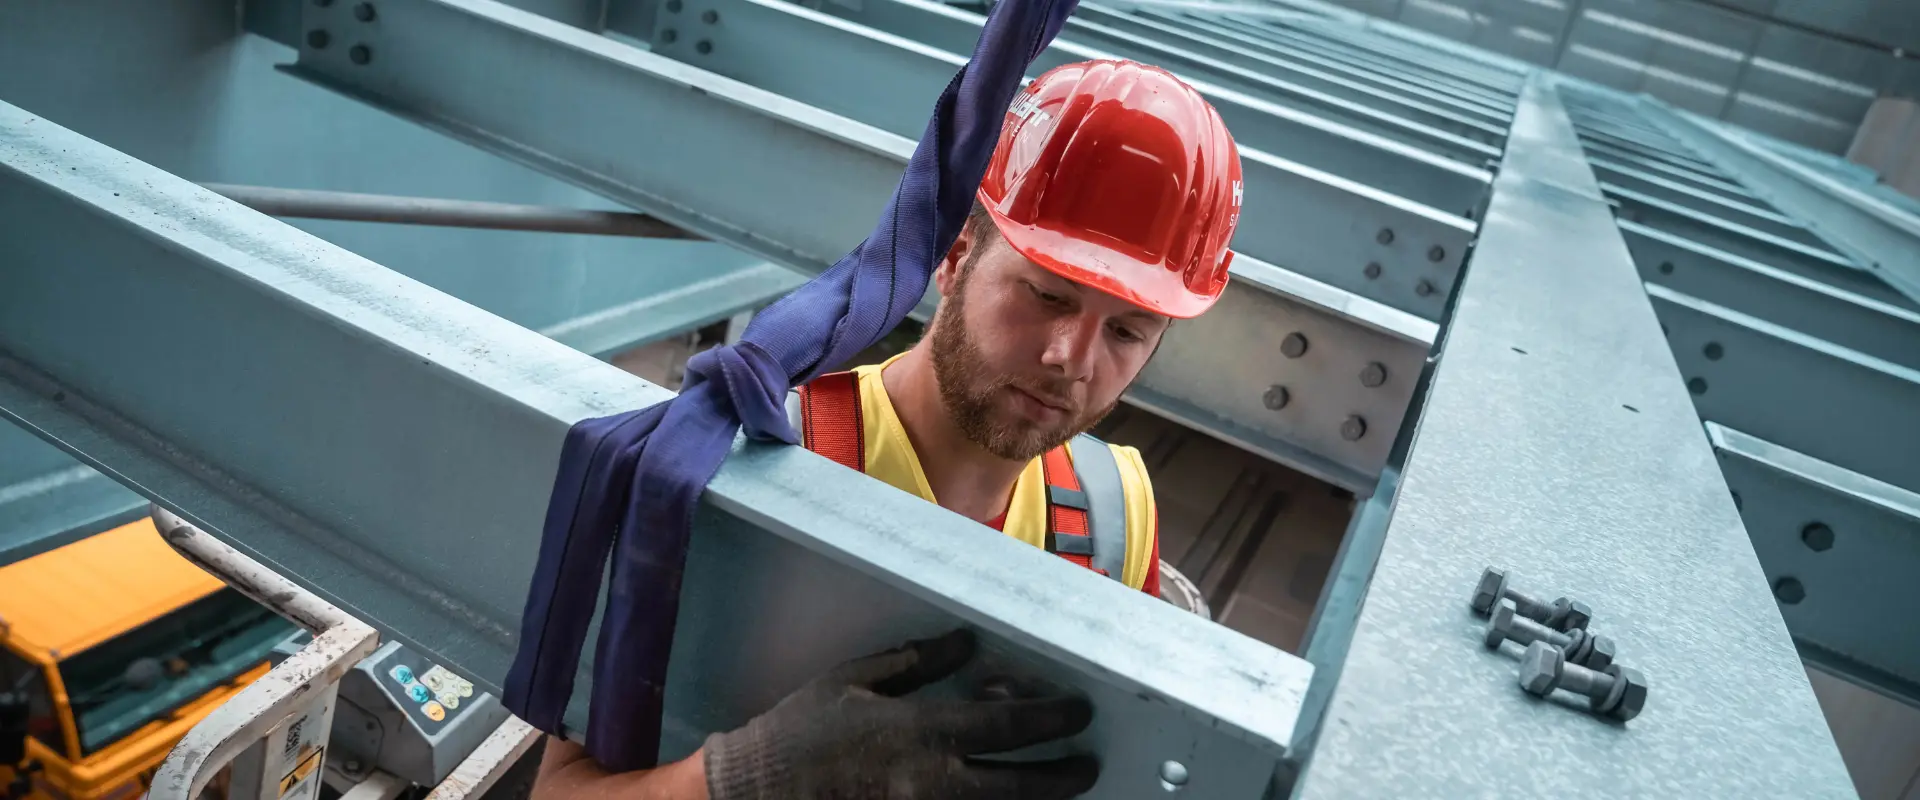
{"x": 1126, "y": 334}
{"x": 1047, "y": 297}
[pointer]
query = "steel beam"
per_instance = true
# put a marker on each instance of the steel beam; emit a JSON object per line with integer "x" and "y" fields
{"x": 1391, "y": 113}
{"x": 1834, "y": 404}
{"x": 1814, "y": 307}
{"x": 48, "y": 500}
{"x": 358, "y": 207}
{"x": 1246, "y": 49}
{"x": 1840, "y": 550}
{"x": 1879, "y": 240}
{"x": 1610, "y": 164}
{"x": 778, "y": 46}
{"x": 1746, "y": 214}
{"x": 1720, "y": 233}
{"x": 391, "y": 449}
{"x": 1555, "y": 440}
{"x": 738, "y": 156}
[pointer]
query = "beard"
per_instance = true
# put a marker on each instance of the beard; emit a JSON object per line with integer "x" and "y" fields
{"x": 969, "y": 389}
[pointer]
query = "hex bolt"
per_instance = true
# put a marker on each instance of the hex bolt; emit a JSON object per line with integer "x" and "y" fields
{"x": 1294, "y": 346}
{"x": 1373, "y": 374}
{"x": 1817, "y": 537}
{"x": 1372, "y": 270}
{"x": 1385, "y": 236}
{"x": 1789, "y": 591}
{"x": 1424, "y": 288}
{"x": 703, "y": 47}
{"x": 1276, "y": 397}
{"x": 710, "y": 16}
{"x": 363, "y": 12}
{"x": 318, "y": 40}
{"x": 1589, "y": 650}
{"x": 1353, "y": 428}
{"x": 1436, "y": 253}
{"x": 360, "y": 54}
{"x": 1561, "y": 615}
{"x": 1618, "y": 692}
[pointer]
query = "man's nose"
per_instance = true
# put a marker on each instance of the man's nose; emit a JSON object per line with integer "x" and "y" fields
{"x": 1071, "y": 345}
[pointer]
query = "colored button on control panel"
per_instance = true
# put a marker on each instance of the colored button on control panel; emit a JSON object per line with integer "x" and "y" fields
{"x": 434, "y": 711}
{"x": 402, "y": 674}
{"x": 419, "y": 693}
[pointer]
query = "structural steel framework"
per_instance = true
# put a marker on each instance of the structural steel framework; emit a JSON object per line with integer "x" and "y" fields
{"x": 1638, "y": 357}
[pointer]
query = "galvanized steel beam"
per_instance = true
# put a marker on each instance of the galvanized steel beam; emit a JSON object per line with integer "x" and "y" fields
{"x": 1268, "y": 133}
{"x": 1555, "y": 440}
{"x": 1746, "y": 214}
{"x": 1838, "y": 405}
{"x": 1877, "y": 239}
{"x": 798, "y": 184}
{"x": 1721, "y": 233}
{"x": 1808, "y": 305}
{"x": 1839, "y": 550}
{"x": 1609, "y": 165}
{"x": 1388, "y": 112}
{"x": 391, "y": 449}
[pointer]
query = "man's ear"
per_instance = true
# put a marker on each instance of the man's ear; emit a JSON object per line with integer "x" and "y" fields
{"x": 947, "y": 273}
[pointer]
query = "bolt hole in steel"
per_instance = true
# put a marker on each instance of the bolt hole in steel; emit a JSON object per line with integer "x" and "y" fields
{"x": 318, "y": 40}
{"x": 1713, "y": 351}
{"x": 360, "y": 54}
{"x": 1173, "y": 776}
{"x": 1817, "y": 537}
{"x": 363, "y": 12}
{"x": 1666, "y": 268}
{"x": 1697, "y": 385}
{"x": 1789, "y": 591}
{"x": 703, "y": 47}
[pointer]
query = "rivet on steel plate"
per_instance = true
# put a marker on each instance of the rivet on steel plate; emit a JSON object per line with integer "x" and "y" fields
{"x": 1385, "y": 236}
{"x": 1372, "y": 271}
{"x": 1713, "y": 351}
{"x": 669, "y": 35}
{"x": 1789, "y": 591}
{"x": 703, "y": 47}
{"x": 1373, "y": 374}
{"x": 1173, "y": 775}
{"x": 1353, "y": 428}
{"x": 1276, "y": 397}
{"x": 1436, "y": 253}
{"x": 1424, "y": 288}
{"x": 360, "y": 54}
{"x": 1294, "y": 346}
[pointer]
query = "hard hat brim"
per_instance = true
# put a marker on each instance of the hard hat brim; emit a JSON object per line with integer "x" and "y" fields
{"x": 1147, "y": 284}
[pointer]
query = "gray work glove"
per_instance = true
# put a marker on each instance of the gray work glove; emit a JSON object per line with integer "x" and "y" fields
{"x": 853, "y": 735}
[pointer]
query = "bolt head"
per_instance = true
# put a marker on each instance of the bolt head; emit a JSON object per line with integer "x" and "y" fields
{"x": 1276, "y": 397}
{"x": 1601, "y": 653}
{"x": 1353, "y": 428}
{"x": 1385, "y": 236}
{"x": 1373, "y": 374}
{"x": 1540, "y": 668}
{"x": 1436, "y": 253}
{"x": 703, "y": 47}
{"x": 1631, "y": 686}
{"x": 1789, "y": 590}
{"x": 363, "y": 12}
{"x": 1294, "y": 346}
{"x": 318, "y": 39}
{"x": 1570, "y": 615}
{"x": 1493, "y": 584}
{"x": 1817, "y": 537}
{"x": 360, "y": 54}
{"x": 1372, "y": 270}
{"x": 1501, "y": 626}
{"x": 710, "y": 16}
{"x": 1424, "y": 288}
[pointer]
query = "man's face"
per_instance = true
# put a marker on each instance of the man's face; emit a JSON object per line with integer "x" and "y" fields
{"x": 1027, "y": 359}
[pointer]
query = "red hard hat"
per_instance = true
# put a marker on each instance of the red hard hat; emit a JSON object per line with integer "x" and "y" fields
{"x": 1119, "y": 176}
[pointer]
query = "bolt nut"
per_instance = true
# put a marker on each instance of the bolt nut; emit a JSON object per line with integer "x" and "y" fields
{"x": 1600, "y": 653}
{"x": 1353, "y": 428}
{"x": 1493, "y": 584}
{"x": 1569, "y": 614}
{"x": 1294, "y": 346}
{"x": 1373, "y": 374}
{"x": 1276, "y": 397}
{"x": 1789, "y": 590}
{"x": 1631, "y": 687}
{"x": 1540, "y": 668}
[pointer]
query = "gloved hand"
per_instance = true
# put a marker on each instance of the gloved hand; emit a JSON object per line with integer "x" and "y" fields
{"x": 852, "y": 734}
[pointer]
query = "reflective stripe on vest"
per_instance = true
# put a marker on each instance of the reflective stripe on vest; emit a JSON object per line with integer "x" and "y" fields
{"x": 1086, "y": 501}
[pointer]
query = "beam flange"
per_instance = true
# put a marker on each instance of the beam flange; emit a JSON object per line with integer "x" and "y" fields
{"x": 740, "y": 154}
{"x": 186, "y": 346}
{"x": 48, "y": 500}
{"x": 1555, "y": 440}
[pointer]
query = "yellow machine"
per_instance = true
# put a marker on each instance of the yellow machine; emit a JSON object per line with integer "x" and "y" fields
{"x": 110, "y": 649}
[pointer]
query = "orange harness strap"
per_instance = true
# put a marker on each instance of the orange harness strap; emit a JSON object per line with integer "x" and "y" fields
{"x": 1067, "y": 532}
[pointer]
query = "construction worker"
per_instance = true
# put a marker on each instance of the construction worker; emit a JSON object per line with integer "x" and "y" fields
{"x": 1104, "y": 216}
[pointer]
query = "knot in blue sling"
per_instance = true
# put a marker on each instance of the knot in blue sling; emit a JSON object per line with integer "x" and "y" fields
{"x": 634, "y": 479}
